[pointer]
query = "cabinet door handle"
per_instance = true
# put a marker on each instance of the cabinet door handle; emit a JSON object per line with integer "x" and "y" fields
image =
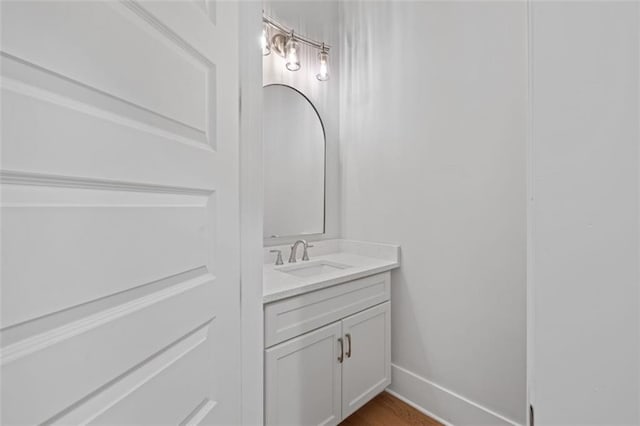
{"x": 341, "y": 356}
{"x": 348, "y": 336}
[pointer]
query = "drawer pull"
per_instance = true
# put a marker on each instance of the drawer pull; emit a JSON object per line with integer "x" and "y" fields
{"x": 348, "y": 336}
{"x": 341, "y": 356}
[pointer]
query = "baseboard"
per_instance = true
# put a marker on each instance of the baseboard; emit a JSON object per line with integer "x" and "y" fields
{"x": 417, "y": 407}
{"x": 440, "y": 403}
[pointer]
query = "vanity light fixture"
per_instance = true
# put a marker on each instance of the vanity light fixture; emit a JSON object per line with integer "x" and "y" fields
{"x": 323, "y": 58}
{"x": 264, "y": 40}
{"x": 282, "y": 40}
{"x": 293, "y": 62}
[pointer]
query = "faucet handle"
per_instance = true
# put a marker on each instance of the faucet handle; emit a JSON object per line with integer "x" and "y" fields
{"x": 279, "y": 257}
{"x": 305, "y": 254}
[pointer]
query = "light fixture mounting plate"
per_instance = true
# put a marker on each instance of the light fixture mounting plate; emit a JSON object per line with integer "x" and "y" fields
{"x": 278, "y": 43}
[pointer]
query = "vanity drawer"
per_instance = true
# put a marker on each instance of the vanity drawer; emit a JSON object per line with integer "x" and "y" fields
{"x": 296, "y": 315}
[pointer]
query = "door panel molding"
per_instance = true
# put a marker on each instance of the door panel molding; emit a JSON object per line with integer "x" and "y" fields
{"x": 99, "y": 402}
{"x": 69, "y": 330}
{"x": 44, "y": 85}
{"x": 199, "y": 413}
{"x": 119, "y": 69}
{"x": 13, "y": 177}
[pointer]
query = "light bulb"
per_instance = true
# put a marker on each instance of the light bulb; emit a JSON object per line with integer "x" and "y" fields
{"x": 293, "y": 63}
{"x": 323, "y": 72}
{"x": 264, "y": 40}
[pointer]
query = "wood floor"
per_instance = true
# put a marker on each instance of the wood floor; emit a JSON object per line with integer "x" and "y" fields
{"x": 387, "y": 410}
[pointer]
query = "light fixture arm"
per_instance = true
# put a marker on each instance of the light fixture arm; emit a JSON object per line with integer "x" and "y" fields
{"x": 297, "y": 37}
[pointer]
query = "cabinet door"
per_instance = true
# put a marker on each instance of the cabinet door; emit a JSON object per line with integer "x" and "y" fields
{"x": 302, "y": 379}
{"x": 367, "y": 363}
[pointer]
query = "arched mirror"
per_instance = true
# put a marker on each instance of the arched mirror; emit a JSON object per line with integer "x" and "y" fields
{"x": 294, "y": 164}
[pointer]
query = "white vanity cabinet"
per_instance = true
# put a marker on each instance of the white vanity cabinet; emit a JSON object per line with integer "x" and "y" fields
{"x": 327, "y": 352}
{"x": 303, "y": 379}
{"x": 366, "y": 369}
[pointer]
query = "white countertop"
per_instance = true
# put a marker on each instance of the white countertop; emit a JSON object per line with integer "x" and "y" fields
{"x": 362, "y": 259}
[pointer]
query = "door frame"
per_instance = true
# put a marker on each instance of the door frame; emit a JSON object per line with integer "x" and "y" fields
{"x": 251, "y": 212}
{"x": 529, "y": 169}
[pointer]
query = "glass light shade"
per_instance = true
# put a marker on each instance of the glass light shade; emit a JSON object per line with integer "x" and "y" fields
{"x": 323, "y": 71}
{"x": 293, "y": 62}
{"x": 264, "y": 40}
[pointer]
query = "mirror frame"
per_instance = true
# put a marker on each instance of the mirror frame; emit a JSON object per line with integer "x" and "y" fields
{"x": 286, "y": 238}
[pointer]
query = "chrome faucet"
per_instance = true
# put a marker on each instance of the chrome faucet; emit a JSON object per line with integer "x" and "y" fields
{"x": 294, "y": 249}
{"x": 279, "y": 258}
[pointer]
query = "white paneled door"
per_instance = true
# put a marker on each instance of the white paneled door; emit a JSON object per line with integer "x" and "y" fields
{"x": 120, "y": 224}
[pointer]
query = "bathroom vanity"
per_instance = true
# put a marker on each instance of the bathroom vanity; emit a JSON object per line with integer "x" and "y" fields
{"x": 326, "y": 307}
{"x": 326, "y": 331}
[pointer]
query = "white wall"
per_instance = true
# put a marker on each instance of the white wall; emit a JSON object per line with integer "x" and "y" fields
{"x": 433, "y": 130}
{"x": 318, "y": 20}
{"x": 584, "y": 230}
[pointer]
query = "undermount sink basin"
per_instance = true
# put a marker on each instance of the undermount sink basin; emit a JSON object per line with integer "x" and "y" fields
{"x": 311, "y": 268}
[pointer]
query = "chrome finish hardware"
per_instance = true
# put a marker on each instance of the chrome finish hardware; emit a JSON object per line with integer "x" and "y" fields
{"x": 305, "y": 254}
{"x": 294, "y": 249}
{"x": 279, "y": 257}
{"x": 282, "y": 30}
{"x": 348, "y": 336}
{"x": 341, "y": 356}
